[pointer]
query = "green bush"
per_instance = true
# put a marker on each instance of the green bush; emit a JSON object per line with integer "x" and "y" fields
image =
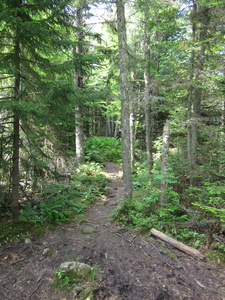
{"x": 101, "y": 149}
{"x": 210, "y": 199}
{"x": 57, "y": 203}
{"x": 144, "y": 212}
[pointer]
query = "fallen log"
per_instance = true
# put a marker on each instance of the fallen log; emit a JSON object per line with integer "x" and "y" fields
{"x": 184, "y": 248}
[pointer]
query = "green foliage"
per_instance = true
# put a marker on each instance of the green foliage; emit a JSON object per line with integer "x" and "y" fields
{"x": 210, "y": 199}
{"x": 16, "y": 231}
{"x": 217, "y": 253}
{"x": 90, "y": 169}
{"x": 83, "y": 280}
{"x": 144, "y": 211}
{"x": 56, "y": 209}
{"x": 57, "y": 203}
{"x": 101, "y": 149}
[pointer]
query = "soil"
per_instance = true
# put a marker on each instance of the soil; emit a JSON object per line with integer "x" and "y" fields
{"x": 135, "y": 267}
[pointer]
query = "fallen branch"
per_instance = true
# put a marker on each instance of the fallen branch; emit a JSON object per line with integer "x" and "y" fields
{"x": 184, "y": 248}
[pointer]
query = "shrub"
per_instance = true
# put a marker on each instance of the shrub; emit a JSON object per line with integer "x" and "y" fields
{"x": 101, "y": 149}
{"x": 57, "y": 203}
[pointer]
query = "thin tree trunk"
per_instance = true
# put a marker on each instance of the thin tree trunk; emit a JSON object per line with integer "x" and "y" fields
{"x": 147, "y": 97}
{"x": 16, "y": 140}
{"x": 78, "y": 80}
{"x": 132, "y": 127}
{"x": 116, "y": 129}
{"x": 164, "y": 163}
{"x": 15, "y": 170}
{"x": 201, "y": 20}
{"x": 79, "y": 135}
{"x": 125, "y": 104}
{"x": 223, "y": 119}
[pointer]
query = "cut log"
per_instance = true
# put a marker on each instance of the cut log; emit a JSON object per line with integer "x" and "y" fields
{"x": 184, "y": 248}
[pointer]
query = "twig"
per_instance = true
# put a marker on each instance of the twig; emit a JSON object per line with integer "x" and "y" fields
{"x": 147, "y": 255}
{"x": 128, "y": 241}
{"x": 37, "y": 287}
{"x": 133, "y": 237}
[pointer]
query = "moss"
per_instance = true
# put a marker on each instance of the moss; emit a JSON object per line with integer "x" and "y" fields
{"x": 88, "y": 229}
{"x": 87, "y": 295}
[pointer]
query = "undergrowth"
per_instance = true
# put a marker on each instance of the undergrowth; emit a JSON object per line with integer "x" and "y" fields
{"x": 102, "y": 149}
{"x": 57, "y": 202}
{"x": 188, "y": 216}
{"x": 81, "y": 281}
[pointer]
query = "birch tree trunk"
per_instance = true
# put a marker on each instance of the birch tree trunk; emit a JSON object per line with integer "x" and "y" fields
{"x": 164, "y": 163}
{"x": 125, "y": 103}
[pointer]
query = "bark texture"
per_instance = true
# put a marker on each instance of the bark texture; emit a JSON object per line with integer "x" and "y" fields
{"x": 164, "y": 163}
{"x": 125, "y": 103}
{"x": 147, "y": 97}
{"x": 78, "y": 81}
{"x": 189, "y": 250}
{"x": 200, "y": 26}
{"x": 16, "y": 132}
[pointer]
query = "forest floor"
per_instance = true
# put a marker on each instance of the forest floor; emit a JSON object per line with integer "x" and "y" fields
{"x": 135, "y": 267}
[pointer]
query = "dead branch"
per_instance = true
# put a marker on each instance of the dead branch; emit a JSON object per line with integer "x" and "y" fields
{"x": 37, "y": 287}
{"x": 184, "y": 248}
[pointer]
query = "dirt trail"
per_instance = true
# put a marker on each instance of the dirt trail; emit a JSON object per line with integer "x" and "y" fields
{"x": 135, "y": 267}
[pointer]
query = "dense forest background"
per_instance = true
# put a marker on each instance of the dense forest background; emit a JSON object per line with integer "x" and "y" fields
{"x": 79, "y": 80}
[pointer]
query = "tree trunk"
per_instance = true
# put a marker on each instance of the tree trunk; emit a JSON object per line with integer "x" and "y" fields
{"x": 200, "y": 23}
{"x": 164, "y": 163}
{"x": 125, "y": 104}
{"x": 132, "y": 127}
{"x": 79, "y": 135}
{"x": 78, "y": 81}
{"x": 15, "y": 170}
{"x": 16, "y": 139}
{"x": 147, "y": 97}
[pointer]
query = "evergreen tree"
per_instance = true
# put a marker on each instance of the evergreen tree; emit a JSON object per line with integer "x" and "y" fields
{"x": 31, "y": 31}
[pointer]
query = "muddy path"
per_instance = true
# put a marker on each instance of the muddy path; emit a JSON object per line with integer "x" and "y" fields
{"x": 135, "y": 267}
